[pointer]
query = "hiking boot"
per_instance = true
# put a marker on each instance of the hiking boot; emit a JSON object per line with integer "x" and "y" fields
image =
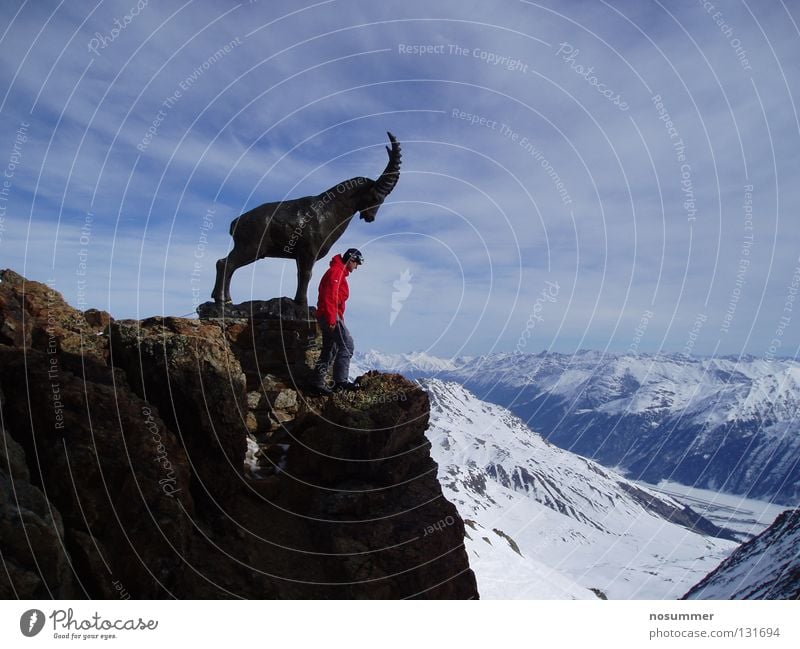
{"x": 346, "y": 386}
{"x": 319, "y": 387}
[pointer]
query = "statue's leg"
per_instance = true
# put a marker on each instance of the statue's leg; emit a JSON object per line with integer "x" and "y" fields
{"x": 304, "y": 267}
{"x": 225, "y": 269}
{"x": 233, "y": 262}
{"x": 218, "y": 294}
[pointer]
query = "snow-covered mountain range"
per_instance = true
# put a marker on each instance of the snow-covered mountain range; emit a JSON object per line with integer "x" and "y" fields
{"x": 724, "y": 424}
{"x": 545, "y": 523}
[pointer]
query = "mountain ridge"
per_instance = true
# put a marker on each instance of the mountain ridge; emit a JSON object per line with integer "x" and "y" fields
{"x": 718, "y": 423}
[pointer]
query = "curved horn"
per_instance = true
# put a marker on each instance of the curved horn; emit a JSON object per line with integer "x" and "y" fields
{"x": 388, "y": 178}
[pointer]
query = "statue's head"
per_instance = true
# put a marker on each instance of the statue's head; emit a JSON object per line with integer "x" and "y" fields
{"x": 376, "y": 191}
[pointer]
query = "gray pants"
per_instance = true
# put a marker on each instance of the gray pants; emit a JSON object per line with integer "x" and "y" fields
{"x": 337, "y": 348}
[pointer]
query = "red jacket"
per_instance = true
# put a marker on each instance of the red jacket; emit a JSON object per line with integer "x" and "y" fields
{"x": 333, "y": 292}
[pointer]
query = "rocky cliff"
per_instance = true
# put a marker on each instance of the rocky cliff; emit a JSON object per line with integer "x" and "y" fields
{"x": 181, "y": 458}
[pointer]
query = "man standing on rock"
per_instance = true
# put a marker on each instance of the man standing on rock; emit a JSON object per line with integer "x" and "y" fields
{"x": 337, "y": 343}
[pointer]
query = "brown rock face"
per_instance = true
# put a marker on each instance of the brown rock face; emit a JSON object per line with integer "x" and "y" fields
{"x": 112, "y": 469}
{"x": 23, "y": 505}
{"x": 34, "y": 316}
{"x": 363, "y": 471}
{"x": 181, "y": 458}
{"x": 185, "y": 368}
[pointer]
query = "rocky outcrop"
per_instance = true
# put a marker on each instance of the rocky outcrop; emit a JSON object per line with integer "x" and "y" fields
{"x": 23, "y": 505}
{"x": 181, "y": 458}
{"x": 361, "y": 468}
{"x": 187, "y": 371}
{"x": 100, "y": 455}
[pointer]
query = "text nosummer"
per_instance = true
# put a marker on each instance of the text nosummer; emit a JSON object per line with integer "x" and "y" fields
{"x": 681, "y": 617}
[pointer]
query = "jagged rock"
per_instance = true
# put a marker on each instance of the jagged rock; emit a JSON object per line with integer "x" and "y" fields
{"x": 365, "y": 475}
{"x": 36, "y": 561}
{"x": 376, "y": 433}
{"x": 254, "y": 400}
{"x": 285, "y": 400}
{"x": 113, "y": 471}
{"x": 50, "y": 324}
{"x": 187, "y": 370}
{"x": 98, "y": 319}
{"x": 286, "y": 347}
{"x": 139, "y": 444}
{"x": 102, "y": 456}
{"x": 14, "y": 330}
{"x": 282, "y": 308}
{"x": 276, "y": 341}
{"x": 280, "y": 399}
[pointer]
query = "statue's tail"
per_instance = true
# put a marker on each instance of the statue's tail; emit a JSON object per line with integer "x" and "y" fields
{"x": 233, "y": 226}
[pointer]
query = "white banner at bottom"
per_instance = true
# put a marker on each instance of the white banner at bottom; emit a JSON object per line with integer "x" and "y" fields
{"x": 353, "y": 624}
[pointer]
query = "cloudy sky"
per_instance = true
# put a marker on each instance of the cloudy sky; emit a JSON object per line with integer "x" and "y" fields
{"x": 609, "y": 175}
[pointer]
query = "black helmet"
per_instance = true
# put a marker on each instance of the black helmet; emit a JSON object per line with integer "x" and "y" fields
{"x": 354, "y": 254}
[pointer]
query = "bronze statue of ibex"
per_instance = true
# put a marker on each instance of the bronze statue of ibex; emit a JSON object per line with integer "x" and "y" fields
{"x": 304, "y": 229}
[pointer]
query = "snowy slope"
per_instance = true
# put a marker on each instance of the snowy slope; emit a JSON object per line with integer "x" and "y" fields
{"x": 723, "y": 424}
{"x": 767, "y": 567}
{"x": 544, "y": 523}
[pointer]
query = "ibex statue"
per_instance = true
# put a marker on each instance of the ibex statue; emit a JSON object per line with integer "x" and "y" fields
{"x": 304, "y": 229}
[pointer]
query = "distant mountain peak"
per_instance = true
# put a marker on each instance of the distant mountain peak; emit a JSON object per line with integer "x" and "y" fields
{"x": 722, "y": 423}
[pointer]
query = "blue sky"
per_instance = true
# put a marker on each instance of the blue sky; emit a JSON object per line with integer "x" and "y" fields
{"x": 545, "y": 202}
